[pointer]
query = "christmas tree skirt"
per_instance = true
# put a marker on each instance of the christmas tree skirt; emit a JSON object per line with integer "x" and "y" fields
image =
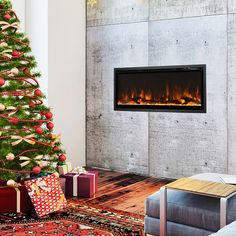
{"x": 77, "y": 217}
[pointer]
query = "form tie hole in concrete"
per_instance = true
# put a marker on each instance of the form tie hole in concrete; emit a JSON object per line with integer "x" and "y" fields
{"x": 205, "y": 164}
{"x": 167, "y": 168}
{"x": 177, "y": 41}
{"x": 205, "y": 123}
{"x": 132, "y": 8}
{"x": 131, "y": 155}
{"x": 177, "y": 121}
{"x": 131, "y": 46}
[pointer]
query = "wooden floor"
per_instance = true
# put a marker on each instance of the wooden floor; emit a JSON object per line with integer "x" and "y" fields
{"x": 125, "y": 192}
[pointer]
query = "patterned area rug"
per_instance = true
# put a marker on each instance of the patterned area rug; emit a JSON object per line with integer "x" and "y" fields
{"x": 79, "y": 218}
{"x": 61, "y": 227}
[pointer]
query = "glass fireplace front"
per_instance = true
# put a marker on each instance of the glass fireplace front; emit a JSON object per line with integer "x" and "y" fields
{"x": 170, "y": 89}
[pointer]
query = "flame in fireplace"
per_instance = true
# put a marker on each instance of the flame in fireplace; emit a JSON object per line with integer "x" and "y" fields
{"x": 176, "y": 97}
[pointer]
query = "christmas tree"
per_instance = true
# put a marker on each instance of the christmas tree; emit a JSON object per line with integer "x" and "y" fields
{"x": 27, "y": 145}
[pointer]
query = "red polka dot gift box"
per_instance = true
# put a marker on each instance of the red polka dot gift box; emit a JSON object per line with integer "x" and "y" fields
{"x": 46, "y": 194}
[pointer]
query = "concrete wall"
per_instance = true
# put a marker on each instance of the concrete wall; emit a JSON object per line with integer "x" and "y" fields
{"x": 156, "y": 33}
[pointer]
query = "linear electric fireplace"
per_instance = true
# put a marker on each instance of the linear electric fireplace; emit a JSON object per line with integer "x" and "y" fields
{"x": 167, "y": 88}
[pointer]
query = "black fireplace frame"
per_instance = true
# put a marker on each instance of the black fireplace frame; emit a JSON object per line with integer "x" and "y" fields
{"x": 154, "y": 108}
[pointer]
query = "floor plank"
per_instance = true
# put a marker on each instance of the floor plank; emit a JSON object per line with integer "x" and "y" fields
{"x": 124, "y": 191}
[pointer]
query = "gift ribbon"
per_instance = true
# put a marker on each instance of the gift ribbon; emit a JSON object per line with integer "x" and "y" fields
{"x": 75, "y": 183}
{"x": 20, "y": 139}
{"x": 79, "y": 170}
{"x": 5, "y": 25}
{"x": 28, "y": 160}
{"x": 18, "y": 210}
{"x": 36, "y": 187}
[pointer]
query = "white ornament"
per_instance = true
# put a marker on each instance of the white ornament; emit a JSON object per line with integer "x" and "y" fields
{"x": 11, "y": 183}
{"x": 14, "y": 71}
{"x": 3, "y": 44}
{"x": 10, "y": 157}
{"x": 2, "y": 107}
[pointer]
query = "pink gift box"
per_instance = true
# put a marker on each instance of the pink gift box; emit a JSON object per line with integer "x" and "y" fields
{"x": 63, "y": 184}
{"x": 83, "y": 185}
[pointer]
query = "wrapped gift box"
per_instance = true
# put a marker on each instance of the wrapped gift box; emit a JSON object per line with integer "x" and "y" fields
{"x": 63, "y": 184}
{"x": 46, "y": 194}
{"x": 64, "y": 169}
{"x": 83, "y": 185}
{"x": 14, "y": 200}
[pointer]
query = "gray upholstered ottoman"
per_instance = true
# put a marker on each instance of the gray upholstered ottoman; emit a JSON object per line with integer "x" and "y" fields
{"x": 228, "y": 230}
{"x": 188, "y": 214}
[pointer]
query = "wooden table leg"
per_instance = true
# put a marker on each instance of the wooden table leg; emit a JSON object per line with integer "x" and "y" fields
{"x": 163, "y": 211}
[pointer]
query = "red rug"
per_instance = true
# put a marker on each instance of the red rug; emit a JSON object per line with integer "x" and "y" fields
{"x": 79, "y": 218}
{"x": 61, "y": 227}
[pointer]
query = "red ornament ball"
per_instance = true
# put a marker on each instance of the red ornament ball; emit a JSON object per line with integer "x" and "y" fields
{"x": 56, "y": 148}
{"x": 62, "y": 158}
{"x": 7, "y": 16}
{"x": 39, "y": 130}
{"x": 37, "y": 170}
{"x": 50, "y": 125}
{"x": 14, "y": 120}
{"x": 49, "y": 115}
{"x": 38, "y": 93}
{"x": 31, "y": 104}
{"x": 2, "y": 82}
{"x": 27, "y": 70}
{"x": 15, "y": 54}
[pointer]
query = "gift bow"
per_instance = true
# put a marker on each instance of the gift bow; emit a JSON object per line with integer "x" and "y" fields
{"x": 27, "y": 160}
{"x": 38, "y": 186}
{"x": 57, "y": 138}
{"x": 6, "y": 53}
{"x": 5, "y": 25}
{"x": 79, "y": 170}
{"x": 15, "y": 109}
{"x": 20, "y": 139}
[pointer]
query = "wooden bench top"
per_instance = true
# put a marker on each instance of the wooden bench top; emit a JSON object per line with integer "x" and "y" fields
{"x": 202, "y": 187}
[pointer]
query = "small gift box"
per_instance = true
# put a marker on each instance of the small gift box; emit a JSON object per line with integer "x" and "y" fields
{"x": 14, "y": 200}
{"x": 81, "y": 185}
{"x": 46, "y": 194}
{"x": 63, "y": 184}
{"x": 64, "y": 169}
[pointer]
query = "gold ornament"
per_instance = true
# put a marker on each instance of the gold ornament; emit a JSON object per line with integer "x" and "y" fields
{"x": 2, "y": 107}
{"x": 14, "y": 71}
{"x": 3, "y": 44}
{"x": 11, "y": 183}
{"x": 10, "y": 157}
{"x": 91, "y": 2}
